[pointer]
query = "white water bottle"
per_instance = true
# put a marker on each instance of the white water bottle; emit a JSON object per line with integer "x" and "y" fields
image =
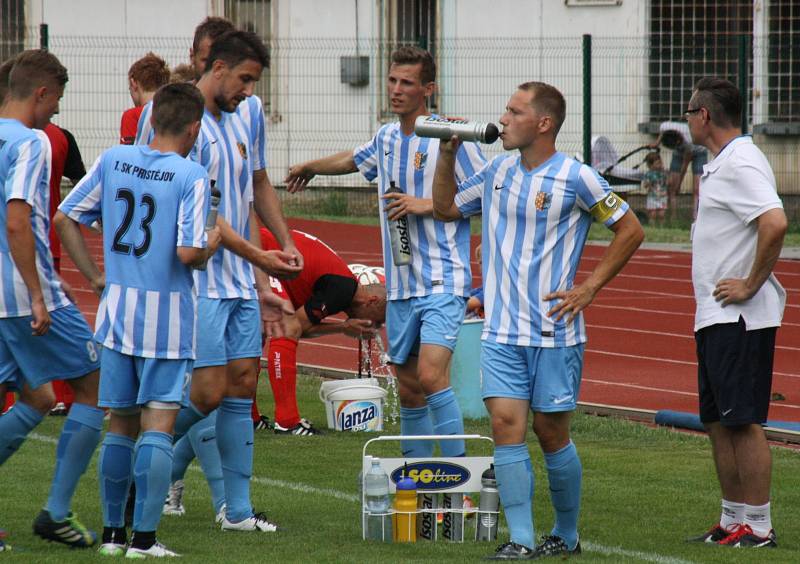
{"x": 440, "y": 127}
{"x": 376, "y": 498}
{"x": 211, "y": 219}
{"x": 398, "y": 234}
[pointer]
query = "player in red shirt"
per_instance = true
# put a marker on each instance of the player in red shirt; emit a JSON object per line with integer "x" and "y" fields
{"x": 145, "y": 76}
{"x": 325, "y": 287}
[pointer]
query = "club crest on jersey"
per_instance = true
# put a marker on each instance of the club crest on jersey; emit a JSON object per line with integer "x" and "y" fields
{"x": 242, "y": 150}
{"x": 543, "y": 200}
{"x": 420, "y": 159}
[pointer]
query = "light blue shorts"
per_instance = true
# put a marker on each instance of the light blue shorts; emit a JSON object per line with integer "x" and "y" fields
{"x": 65, "y": 352}
{"x": 127, "y": 380}
{"x": 429, "y": 320}
{"x": 550, "y": 378}
{"x": 226, "y": 330}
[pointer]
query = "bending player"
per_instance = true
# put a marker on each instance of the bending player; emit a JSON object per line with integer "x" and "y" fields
{"x": 324, "y": 288}
{"x": 43, "y": 337}
{"x": 426, "y": 297}
{"x": 537, "y": 208}
{"x": 153, "y": 203}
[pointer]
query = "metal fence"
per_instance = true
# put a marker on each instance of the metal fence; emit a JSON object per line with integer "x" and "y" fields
{"x": 326, "y": 95}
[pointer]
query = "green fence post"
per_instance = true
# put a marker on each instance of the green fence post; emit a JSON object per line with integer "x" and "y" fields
{"x": 743, "y": 79}
{"x": 587, "y": 99}
{"x": 44, "y": 36}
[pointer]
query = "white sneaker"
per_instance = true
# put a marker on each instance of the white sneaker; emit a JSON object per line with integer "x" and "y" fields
{"x": 111, "y": 549}
{"x": 220, "y": 515}
{"x": 158, "y": 550}
{"x": 257, "y": 522}
{"x": 174, "y": 503}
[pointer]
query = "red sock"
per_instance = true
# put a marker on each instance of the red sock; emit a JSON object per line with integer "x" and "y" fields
{"x": 63, "y": 393}
{"x": 283, "y": 379}
{"x": 254, "y": 412}
{"x": 10, "y": 398}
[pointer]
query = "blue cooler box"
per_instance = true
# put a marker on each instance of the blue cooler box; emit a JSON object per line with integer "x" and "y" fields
{"x": 465, "y": 370}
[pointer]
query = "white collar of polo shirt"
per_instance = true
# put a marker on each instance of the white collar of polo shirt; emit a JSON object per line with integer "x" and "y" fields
{"x": 724, "y": 154}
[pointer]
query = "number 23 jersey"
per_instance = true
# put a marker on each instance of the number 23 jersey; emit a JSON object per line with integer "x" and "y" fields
{"x": 150, "y": 203}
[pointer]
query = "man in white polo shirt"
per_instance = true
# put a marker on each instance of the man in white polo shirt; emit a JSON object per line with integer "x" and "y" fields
{"x": 737, "y": 240}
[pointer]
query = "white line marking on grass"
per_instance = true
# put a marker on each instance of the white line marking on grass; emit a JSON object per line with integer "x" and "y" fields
{"x": 43, "y": 438}
{"x": 296, "y": 486}
{"x": 646, "y": 556}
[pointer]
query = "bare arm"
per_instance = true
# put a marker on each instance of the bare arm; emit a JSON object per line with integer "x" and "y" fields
{"x": 268, "y": 208}
{"x": 272, "y": 262}
{"x": 274, "y": 309}
{"x": 444, "y": 182}
{"x": 352, "y": 327}
{"x": 300, "y": 174}
{"x": 22, "y": 244}
{"x": 69, "y": 231}
{"x": 194, "y": 256}
{"x": 772, "y": 227}
{"x": 628, "y": 235}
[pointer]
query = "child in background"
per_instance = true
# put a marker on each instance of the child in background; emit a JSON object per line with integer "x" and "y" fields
{"x": 655, "y": 182}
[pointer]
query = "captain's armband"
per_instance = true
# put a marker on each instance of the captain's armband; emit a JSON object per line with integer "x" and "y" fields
{"x": 603, "y": 210}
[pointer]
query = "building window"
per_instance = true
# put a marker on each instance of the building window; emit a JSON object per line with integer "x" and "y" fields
{"x": 690, "y": 39}
{"x": 12, "y": 28}
{"x": 255, "y": 16}
{"x": 407, "y": 22}
{"x": 783, "y": 61}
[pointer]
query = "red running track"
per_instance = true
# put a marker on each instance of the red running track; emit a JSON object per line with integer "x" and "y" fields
{"x": 640, "y": 352}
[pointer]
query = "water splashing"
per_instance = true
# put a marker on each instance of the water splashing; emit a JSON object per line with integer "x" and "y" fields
{"x": 374, "y": 362}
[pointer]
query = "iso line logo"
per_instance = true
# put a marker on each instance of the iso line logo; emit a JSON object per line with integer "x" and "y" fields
{"x": 433, "y": 476}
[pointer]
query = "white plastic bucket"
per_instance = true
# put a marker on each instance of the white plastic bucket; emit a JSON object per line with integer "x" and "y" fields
{"x": 353, "y": 405}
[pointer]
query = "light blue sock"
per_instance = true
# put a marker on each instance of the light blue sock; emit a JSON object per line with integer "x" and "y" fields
{"x": 416, "y": 421}
{"x": 187, "y": 416}
{"x": 235, "y": 443}
{"x": 564, "y": 471}
{"x": 204, "y": 442}
{"x": 151, "y": 469}
{"x": 512, "y": 467}
{"x": 115, "y": 473}
{"x": 447, "y": 420}
{"x": 182, "y": 455}
{"x": 79, "y": 438}
{"x": 15, "y": 425}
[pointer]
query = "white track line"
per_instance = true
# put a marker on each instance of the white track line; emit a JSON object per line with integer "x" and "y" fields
{"x": 344, "y": 496}
{"x": 666, "y": 334}
{"x": 689, "y": 315}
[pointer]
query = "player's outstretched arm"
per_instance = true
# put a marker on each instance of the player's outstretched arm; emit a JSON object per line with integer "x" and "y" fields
{"x": 22, "y": 244}
{"x": 274, "y": 263}
{"x": 69, "y": 232}
{"x": 267, "y": 206}
{"x": 444, "y": 182}
{"x": 628, "y": 235}
{"x": 300, "y": 174}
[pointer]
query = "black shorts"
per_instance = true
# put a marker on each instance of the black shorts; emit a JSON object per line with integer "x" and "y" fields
{"x": 734, "y": 373}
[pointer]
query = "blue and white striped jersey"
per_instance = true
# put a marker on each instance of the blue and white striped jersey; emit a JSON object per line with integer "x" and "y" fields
{"x": 439, "y": 250}
{"x": 535, "y": 225}
{"x": 150, "y": 203}
{"x": 25, "y": 162}
{"x": 230, "y": 150}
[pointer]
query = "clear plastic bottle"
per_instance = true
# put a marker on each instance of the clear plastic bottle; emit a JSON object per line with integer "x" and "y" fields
{"x": 376, "y": 498}
{"x": 488, "y": 507}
